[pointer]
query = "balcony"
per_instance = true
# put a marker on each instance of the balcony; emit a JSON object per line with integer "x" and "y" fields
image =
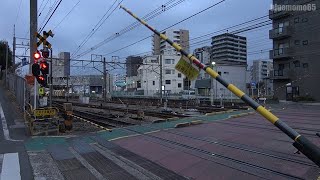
{"x": 278, "y": 14}
{"x": 279, "y": 75}
{"x": 281, "y": 53}
{"x": 280, "y": 33}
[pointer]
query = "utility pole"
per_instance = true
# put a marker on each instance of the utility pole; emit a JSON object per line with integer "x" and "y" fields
{"x": 160, "y": 89}
{"x": 33, "y": 41}
{"x": 105, "y": 80}
{"x": 14, "y": 46}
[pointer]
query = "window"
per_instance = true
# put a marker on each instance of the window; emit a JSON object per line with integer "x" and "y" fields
{"x": 179, "y": 85}
{"x": 296, "y": 63}
{"x": 219, "y": 73}
{"x": 296, "y": 20}
{"x": 305, "y": 20}
{"x": 169, "y": 71}
{"x": 153, "y": 83}
{"x": 297, "y": 42}
{"x": 305, "y": 42}
{"x": 281, "y": 66}
{"x": 305, "y": 65}
{"x": 169, "y": 61}
{"x": 168, "y": 81}
{"x": 225, "y": 72}
{"x": 179, "y": 75}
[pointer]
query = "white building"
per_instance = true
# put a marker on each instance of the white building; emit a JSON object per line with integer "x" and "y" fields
{"x": 179, "y": 36}
{"x": 149, "y": 75}
{"x": 235, "y": 74}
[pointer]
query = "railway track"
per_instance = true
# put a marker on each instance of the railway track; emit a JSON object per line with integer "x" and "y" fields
{"x": 102, "y": 120}
{"x": 163, "y": 115}
{"x": 216, "y": 157}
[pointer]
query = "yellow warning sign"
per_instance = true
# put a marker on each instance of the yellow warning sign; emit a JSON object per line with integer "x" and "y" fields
{"x": 44, "y": 112}
{"x": 186, "y": 68}
{"x": 41, "y": 91}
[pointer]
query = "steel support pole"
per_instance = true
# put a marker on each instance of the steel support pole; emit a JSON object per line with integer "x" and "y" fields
{"x": 160, "y": 82}
{"x": 105, "y": 80}
{"x": 51, "y": 78}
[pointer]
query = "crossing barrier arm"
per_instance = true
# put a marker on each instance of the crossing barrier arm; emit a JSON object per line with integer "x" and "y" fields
{"x": 305, "y": 146}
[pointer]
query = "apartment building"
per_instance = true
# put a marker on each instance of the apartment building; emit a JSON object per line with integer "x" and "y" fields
{"x": 160, "y": 46}
{"x": 295, "y": 53}
{"x": 229, "y": 48}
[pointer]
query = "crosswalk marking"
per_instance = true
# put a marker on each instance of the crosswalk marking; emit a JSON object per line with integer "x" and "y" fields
{"x": 10, "y": 167}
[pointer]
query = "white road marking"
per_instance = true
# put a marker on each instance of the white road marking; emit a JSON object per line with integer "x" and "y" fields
{"x": 10, "y": 167}
{"x": 4, "y": 125}
{"x": 1, "y": 158}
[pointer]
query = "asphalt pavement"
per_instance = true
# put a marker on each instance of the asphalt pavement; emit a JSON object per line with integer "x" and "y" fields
{"x": 14, "y": 161}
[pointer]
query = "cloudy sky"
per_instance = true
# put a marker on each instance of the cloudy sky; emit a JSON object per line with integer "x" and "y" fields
{"x": 70, "y": 32}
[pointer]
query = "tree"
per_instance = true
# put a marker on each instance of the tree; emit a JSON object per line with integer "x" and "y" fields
{"x": 3, "y": 51}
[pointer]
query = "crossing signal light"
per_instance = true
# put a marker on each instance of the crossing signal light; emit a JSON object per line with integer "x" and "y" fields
{"x": 36, "y": 56}
{"x": 42, "y": 80}
{"x": 45, "y": 52}
{"x": 44, "y": 67}
{"x": 35, "y": 69}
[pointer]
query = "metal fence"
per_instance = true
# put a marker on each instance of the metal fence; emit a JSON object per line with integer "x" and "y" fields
{"x": 17, "y": 85}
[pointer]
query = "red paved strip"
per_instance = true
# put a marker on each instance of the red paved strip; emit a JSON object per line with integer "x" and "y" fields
{"x": 260, "y": 136}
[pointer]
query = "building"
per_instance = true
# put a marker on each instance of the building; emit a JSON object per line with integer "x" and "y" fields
{"x": 61, "y": 65}
{"x": 132, "y": 65}
{"x": 260, "y": 73}
{"x": 119, "y": 82}
{"x": 235, "y": 74}
{"x": 85, "y": 84}
{"x": 149, "y": 75}
{"x": 295, "y": 51}
{"x": 229, "y": 48}
{"x": 203, "y": 55}
{"x": 179, "y": 36}
{"x": 261, "y": 70}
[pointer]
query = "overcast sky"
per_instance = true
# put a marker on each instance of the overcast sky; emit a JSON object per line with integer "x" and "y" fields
{"x": 71, "y": 32}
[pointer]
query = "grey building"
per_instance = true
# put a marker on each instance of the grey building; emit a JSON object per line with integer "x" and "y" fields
{"x": 260, "y": 74}
{"x": 229, "y": 48}
{"x": 160, "y": 46}
{"x": 295, "y": 53}
{"x": 61, "y": 66}
{"x": 132, "y": 65}
{"x": 203, "y": 55}
{"x": 261, "y": 70}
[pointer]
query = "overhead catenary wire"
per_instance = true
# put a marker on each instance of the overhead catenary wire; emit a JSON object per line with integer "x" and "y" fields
{"x": 147, "y": 17}
{"x": 50, "y": 16}
{"x": 41, "y": 10}
{"x": 195, "y": 14}
{"x": 66, "y": 15}
{"x": 19, "y": 9}
{"x": 95, "y": 28}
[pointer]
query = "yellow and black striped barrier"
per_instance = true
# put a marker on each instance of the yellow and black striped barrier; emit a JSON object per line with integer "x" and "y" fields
{"x": 301, "y": 143}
